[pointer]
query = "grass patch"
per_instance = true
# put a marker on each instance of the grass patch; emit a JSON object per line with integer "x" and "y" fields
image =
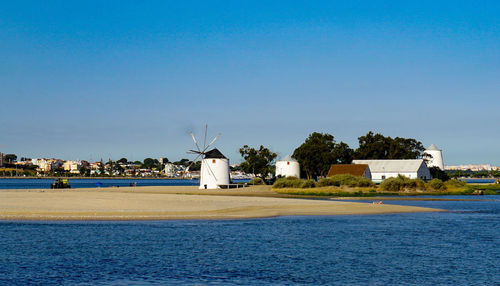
{"x": 334, "y": 192}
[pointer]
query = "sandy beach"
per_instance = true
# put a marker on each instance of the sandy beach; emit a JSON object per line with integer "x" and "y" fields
{"x": 167, "y": 203}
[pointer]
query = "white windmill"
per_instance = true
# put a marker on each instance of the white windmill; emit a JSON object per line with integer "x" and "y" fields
{"x": 214, "y": 165}
{"x": 436, "y": 155}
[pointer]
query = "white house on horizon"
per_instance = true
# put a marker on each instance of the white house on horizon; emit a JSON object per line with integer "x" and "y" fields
{"x": 383, "y": 169}
{"x": 288, "y": 167}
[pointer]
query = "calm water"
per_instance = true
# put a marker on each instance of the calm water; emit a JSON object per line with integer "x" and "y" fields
{"x": 461, "y": 247}
{"x": 92, "y": 183}
{"x": 479, "y": 181}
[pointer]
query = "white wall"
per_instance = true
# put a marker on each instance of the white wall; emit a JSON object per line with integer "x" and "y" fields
{"x": 214, "y": 172}
{"x": 422, "y": 173}
{"x": 437, "y": 159}
{"x": 288, "y": 169}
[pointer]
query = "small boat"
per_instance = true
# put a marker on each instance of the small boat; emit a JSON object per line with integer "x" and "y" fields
{"x": 60, "y": 184}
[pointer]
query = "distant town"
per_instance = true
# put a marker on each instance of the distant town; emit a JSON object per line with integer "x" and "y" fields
{"x": 11, "y": 165}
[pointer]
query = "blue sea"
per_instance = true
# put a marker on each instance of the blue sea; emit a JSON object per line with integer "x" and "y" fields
{"x": 30, "y": 183}
{"x": 459, "y": 247}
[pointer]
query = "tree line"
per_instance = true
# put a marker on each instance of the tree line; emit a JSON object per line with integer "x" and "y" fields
{"x": 320, "y": 150}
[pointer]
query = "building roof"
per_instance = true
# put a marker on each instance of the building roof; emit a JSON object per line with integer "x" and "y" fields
{"x": 392, "y": 166}
{"x": 288, "y": 158}
{"x": 433, "y": 148}
{"x": 214, "y": 154}
{"x": 353, "y": 169}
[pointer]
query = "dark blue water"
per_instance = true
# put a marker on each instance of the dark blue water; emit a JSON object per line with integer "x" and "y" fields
{"x": 479, "y": 181}
{"x": 93, "y": 183}
{"x": 460, "y": 247}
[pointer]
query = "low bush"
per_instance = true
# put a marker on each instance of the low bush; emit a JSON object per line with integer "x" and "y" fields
{"x": 399, "y": 183}
{"x": 346, "y": 180}
{"x": 308, "y": 184}
{"x": 420, "y": 184}
{"x": 288, "y": 182}
{"x": 257, "y": 181}
{"x": 436, "y": 184}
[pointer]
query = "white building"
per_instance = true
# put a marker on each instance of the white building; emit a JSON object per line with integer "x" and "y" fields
{"x": 170, "y": 170}
{"x": 437, "y": 157}
{"x": 383, "y": 169}
{"x": 214, "y": 170}
{"x": 288, "y": 167}
{"x": 72, "y": 166}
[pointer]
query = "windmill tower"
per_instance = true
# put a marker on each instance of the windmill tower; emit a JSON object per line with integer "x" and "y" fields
{"x": 437, "y": 157}
{"x": 288, "y": 167}
{"x": 214, "y": 165}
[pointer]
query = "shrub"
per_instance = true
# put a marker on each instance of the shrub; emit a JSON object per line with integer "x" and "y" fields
{"x": 346, "y": 180}
{"x": 308, "y": 184}
{"x": 436, "y": 184}
{"x": 257, "y": 181}
{"x": 288, "y": 182}
{"x": 420, "y": 184}
{"x": 398, "y": 183}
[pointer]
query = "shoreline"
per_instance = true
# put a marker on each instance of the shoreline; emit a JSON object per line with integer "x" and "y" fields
{"x": 173, "y": 203}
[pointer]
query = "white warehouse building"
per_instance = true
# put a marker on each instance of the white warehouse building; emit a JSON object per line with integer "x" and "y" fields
{"x": 383, "y": 169}
{"x": 288, "y": 167}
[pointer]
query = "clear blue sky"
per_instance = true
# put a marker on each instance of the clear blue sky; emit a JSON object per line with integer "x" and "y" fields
{"x": 92, "y": 79}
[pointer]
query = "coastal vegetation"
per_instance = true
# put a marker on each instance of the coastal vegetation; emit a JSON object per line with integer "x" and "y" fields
{"x": 258, "y": 162}
{"x": 346, "y": 180}
{"x": 318, "y": 152}
{"x": 257, "y": 181}
{"x": 378, "y": 146}
{"x": 349, "y": 185}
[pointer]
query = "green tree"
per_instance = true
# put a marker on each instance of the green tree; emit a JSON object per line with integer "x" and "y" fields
{"x": 319, "y": 152}
{"x": 257, "y": 161}
{"x": 377, "y": 146}
{"x": 437, "y": 173}
{"x": 123, "y": 161}
{"x": 10, "y": 158}
{"x": 118, "y": 169}
{"x": 84, "y": 171}
{"x": 196, "y": 166}
{"x": 150, "y": 163}
{"x": 101, "y": 167}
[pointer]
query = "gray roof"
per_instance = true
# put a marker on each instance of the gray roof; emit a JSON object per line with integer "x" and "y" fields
{"x": 433, "y": 147}
{"x": 392, "y": 166}
{"x": 288, "y": 158}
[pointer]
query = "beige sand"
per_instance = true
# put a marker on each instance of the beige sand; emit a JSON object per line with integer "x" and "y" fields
{"x": 152, "y": 203}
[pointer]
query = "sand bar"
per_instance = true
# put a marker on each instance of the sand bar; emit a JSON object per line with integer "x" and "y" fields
{"x": 167, "y": 203}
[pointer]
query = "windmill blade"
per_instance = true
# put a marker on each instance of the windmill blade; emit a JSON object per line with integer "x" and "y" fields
{"x": 205, "y": 138}
{"x": 194, "y": 152}
{"x": 192, "y": 162}
{"x": 213, "y": 141}
{"x": 195, "y": 142}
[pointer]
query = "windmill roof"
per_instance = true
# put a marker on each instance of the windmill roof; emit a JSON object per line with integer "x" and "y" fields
{"x": 288, "y": 158}
{"x": 433, "y": 147}
{"x": 385, "y": 166}
{"x": 353, "y": 169}
{"x": 214, "y": 154}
